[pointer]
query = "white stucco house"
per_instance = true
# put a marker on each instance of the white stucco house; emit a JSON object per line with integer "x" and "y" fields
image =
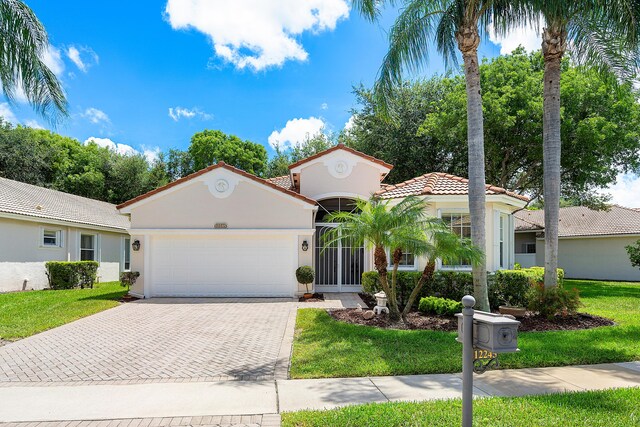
{"x": 224, "y": 232}
{"x": 591, "y": 244}
{"x": 39, "y": 225}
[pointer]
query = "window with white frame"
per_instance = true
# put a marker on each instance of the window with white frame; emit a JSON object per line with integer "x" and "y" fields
{"x": 88, "y": 247}
{"x": 528, "y": 248}
{"x": 407, "y": 261}
{"x": 502, "y": 238}
{"x": 51, "y": 238}
{"x": 460, "y": 224}
{"x": 126, "y": 256}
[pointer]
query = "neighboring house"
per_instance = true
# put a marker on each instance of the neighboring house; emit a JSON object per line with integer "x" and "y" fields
{"x": 224, "y": 232}
{"x": 591, "y": 244}
{"x": 39, "y": 225}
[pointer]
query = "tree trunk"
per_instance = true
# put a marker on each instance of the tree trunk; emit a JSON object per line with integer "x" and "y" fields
{"x": 426, "y": 276}
{"x": 396, "y": 257}
{"x": 380, "y": 262}
{"x": 468, "y": 40}
{"x": 553, "y": 48}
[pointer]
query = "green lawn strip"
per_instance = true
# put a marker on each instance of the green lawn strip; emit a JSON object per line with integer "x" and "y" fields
{"x": 324, "y": 347}
{"x": 611, "y": 408}
{"x": 26, "y": 313}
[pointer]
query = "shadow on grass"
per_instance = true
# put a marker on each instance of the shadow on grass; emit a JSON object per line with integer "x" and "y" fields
{"x": 595, "y": 289}
{"x": 110, "y": 296}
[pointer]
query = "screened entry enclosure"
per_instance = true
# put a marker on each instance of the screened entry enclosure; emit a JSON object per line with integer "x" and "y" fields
{"x": 339, "y": 266}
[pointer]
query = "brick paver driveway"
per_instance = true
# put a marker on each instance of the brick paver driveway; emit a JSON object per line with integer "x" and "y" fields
{"x": 156, "y": 340}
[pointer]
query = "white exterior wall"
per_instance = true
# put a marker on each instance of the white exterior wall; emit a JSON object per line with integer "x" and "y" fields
{"x": 596, "y": 258}
{"x": 247, "y": 208}
{"x": 22, "y": 255}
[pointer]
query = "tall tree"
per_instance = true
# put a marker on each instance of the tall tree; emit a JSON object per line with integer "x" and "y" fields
{"x": 448, "y": 23}
{"x": 23, "y": 42}
{"x": 600, "y": 126}
{"x": 601, "y": 33}
{"x": 213, "y": 146}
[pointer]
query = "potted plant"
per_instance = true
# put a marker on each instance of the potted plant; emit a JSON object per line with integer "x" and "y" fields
{"x": 511, "y": 309}
{"x": 128, "y": 279}
{"x": 305, "y": 276}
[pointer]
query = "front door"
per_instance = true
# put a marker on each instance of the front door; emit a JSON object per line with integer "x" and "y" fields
{"x": 339, "y": 267}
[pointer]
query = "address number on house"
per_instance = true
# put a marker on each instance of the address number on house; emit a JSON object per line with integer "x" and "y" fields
{"x": 479, "y": 354}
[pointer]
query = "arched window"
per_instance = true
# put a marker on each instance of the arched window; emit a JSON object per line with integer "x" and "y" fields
{"x": 337, "y": 204}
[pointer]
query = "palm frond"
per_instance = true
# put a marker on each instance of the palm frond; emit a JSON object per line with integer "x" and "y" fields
{"x": 23, "y": 41}
{"x": 409, "y": 40}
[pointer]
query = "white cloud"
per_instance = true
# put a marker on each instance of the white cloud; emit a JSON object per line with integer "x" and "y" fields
{"x": 7, "y": 114}
{"x": 151, "y": 153}
{"x": 256, "y": 33}
{"x": 33, "y": 124}
{"x": 626, "y": 191}
{"x": 176, "y": 113}
{"x": 296, "y": 131}
{"x": 95, "y": 116}
{"x": 526, "y": 35}
{"x": 53, "y": 59}
{"x": 349, "y": 124}
{"x": 84, "y": 57}
{"x": 114, "y": 146}
{"x": 324, "y": 106}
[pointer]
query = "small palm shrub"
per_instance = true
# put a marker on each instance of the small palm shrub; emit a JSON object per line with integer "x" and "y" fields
{"x": 440, "y": 306}
{"x": 554, "y": 300}
{"x": 305, "y": 275}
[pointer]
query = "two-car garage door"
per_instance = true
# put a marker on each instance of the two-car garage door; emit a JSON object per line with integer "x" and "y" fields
{"x": 222, "y": 266}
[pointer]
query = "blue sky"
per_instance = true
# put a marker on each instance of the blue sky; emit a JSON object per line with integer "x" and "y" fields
{"x": 146, "y": 75}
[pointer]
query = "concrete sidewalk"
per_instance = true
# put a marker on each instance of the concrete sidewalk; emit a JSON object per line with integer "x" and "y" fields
{"x": 31, "y": 403}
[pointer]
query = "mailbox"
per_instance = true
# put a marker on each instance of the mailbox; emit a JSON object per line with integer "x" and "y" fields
{"x": 492, "y": 332}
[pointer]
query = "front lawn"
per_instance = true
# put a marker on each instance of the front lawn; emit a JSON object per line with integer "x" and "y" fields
{"x": 610, "y": 408}
{"x": 324, "y": 347}
{"x": 27, "y": 313}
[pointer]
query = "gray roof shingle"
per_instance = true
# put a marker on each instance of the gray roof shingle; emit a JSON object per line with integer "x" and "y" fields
{"x": 30, "y": 200}
{"x": 581, "y": 221}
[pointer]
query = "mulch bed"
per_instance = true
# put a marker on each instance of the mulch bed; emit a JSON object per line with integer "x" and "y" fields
{"x": 530, "y": 323}
{"x": 128, "y": 298}
{"x": 317, "y": 297}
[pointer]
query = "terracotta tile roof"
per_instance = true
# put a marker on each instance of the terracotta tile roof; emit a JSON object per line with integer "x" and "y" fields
{"x": 210, "y": 168}
{"x": 30, "y": 200}
{"x": 437, "y": 183}
{"x": 342, "y": 147}
{"x": 582, "y": 221}
{"x": 282, "y": 181}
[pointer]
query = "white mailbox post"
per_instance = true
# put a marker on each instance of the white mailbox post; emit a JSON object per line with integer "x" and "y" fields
{"x": 483, "y": 336}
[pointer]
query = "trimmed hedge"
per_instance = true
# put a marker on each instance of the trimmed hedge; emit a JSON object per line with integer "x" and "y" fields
{"x": 441, "y": 306}
{"x": 70, "y": 275}
{"x": 505, "y": 286}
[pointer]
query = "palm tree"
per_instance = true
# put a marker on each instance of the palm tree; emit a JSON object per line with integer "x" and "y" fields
{"x": 23, "y": 42}
{"x": 403, "y": 227}
{"x": 603, "y": 34}
{"x": 449, "y": 23}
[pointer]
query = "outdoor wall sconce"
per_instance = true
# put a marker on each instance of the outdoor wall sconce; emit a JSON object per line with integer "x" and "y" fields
{"x": 305, "y": 245}
{"x": 136, "y": 245}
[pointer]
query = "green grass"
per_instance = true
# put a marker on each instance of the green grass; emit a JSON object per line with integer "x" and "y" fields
{"x": 610, "y": 408}
{"x": 27, "y": 313}
{"x": 324, "y": 347}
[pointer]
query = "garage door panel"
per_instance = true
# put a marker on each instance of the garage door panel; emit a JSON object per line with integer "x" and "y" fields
{"x": 241, "y": 266}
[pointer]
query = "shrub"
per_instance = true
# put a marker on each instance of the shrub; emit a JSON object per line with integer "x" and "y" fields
{"x": 128, "y": 278}
{"x": 512, "y": 286}
{"x": 69, "y": 275}
{"x": 555, "y": 300}
{"x": 441, "y": 306}
{"x": 634, "y": 253}
{"x": 305, "y": 275}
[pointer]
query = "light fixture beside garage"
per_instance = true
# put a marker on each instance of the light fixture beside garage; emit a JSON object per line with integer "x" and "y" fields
{"x": 305, "y": 245}
{"x": 135, "y": 245}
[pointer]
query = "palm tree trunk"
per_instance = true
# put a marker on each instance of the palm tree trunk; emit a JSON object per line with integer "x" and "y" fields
{"x": 468, "y": 40}
{"x": 425, "y": 277}
{"x": 396, "y": 257}
{"x": 380, "y": 262}
{"x": 553, "y": 48}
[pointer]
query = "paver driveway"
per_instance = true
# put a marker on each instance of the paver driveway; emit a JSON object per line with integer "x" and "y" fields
{"x": 156, "y": 340}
